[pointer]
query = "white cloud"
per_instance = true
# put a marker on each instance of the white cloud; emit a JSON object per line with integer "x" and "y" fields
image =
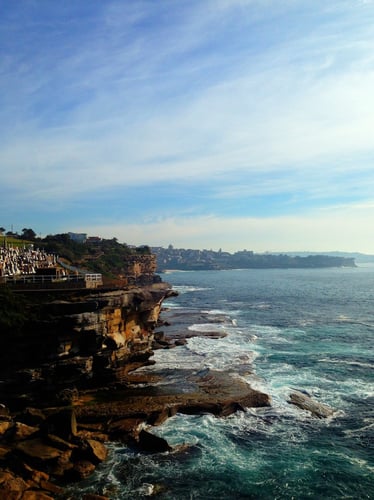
{"x": 131, "y": 103}
{"x": 342, "y": 228}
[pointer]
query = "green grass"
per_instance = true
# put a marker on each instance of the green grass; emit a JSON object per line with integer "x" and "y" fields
{"x": 13, "y": 242}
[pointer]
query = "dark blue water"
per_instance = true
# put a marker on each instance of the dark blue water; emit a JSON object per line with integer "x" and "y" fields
{"x": 311, "y": 330}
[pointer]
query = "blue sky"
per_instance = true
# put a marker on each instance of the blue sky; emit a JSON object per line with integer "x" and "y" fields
{"x": 203, "y": 123}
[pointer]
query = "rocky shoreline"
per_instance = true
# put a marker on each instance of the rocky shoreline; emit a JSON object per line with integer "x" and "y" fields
{"x": 45, "y": 447}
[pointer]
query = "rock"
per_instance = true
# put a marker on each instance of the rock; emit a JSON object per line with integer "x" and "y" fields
{"x": 63, "y": 465}
{"x": 98, "y": 436}
{"x": 22, "y": 431}
{"x": 36, "y": 495}
{"x": 153, "y": 444}
{"x": 92, "y": 496}
{"x": 305, "y": 402}
{"x": 158, "y": 417}
{"x": 37, "y": 449}
{"x": 32, "y": 416}
{"x": 4, "y": 451}
{"x": 50, "y": 487}
{"x": 97, "y": 451}
{"x": 4, "y": 411}
{"x": 63, "y": 424}
{"x": 4, "y": 426}
{"x": 122, "y": 429}
{"x": 81, "y": 470}
{"x": 11, "y": 487}
{"x": 34, "y": 475}
{"x": 59, "y": 443}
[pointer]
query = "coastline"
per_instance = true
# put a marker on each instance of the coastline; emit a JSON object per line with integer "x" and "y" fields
{"x": 44, "y": 448}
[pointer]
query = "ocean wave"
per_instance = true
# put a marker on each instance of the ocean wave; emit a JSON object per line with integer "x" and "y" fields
{"x": 345, "y": 362}
{"x": 206, "y": 327}
{"x": 342, "y": 318}
{"x": 260, "y": 306}
{"x": 189, "y": 288}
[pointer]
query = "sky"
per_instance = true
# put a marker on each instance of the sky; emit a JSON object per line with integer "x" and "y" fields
{"x": 233, "y": 124}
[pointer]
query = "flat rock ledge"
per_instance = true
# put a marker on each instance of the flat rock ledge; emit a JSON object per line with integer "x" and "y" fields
{"x": 42, "y": 450}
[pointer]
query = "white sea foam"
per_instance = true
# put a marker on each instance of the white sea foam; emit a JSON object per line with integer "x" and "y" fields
{"x": 216, "y": 312}
{"x": 189, "y": 288}
{"x": 346, "y": 362}
{"x": 206, "y": 327}
{"x": 260, "y": 305}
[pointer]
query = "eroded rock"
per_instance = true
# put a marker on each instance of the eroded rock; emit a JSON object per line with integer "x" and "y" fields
{"x": 305, "y": 402}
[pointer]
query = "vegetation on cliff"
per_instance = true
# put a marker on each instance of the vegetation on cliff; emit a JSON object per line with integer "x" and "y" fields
{"x": 13, "y": 314}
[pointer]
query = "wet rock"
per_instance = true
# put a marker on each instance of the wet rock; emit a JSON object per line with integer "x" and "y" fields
{"x": 92, "y": 496}
{"x": 97, "y": 451}
{"x": 81, "y": 470}
{"x": 305, "y": 402}
{"x": 152, "y": 444}
{"x": 125, "y": 428}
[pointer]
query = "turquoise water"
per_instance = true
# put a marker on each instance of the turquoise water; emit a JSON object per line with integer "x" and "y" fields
{"x": 287, "y": 329}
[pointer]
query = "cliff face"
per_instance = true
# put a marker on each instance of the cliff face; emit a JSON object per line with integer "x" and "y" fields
{"x": 80, "y": 339}
{"x": 140, "y": 269}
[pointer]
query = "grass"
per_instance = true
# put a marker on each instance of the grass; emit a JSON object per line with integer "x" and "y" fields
{"x": 13, "y": 242}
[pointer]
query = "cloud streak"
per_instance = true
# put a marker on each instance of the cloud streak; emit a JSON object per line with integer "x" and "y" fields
{"x": 253, "y": 106}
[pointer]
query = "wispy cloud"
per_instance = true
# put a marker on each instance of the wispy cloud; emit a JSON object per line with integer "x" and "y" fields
{"x": 344, "y": 228}
{"x": 239, "y": 101}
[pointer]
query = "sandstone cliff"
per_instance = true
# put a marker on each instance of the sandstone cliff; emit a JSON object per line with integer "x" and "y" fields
{"x": 79, "y": 339}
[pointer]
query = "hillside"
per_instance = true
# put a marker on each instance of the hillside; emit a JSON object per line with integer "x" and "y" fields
{"x": 182, "y": 259}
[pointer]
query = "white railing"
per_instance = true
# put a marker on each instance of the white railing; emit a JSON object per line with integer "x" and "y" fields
{"x": 45, "y": 278}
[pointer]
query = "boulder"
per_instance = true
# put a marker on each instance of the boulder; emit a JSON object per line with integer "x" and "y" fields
{"x": 97, "y": 451}
{"x": 62, "y": 423}
{"x": 22, "y": 431}
{"x": 4, "y": 412}
{"x": 11, "y": 487}
{"x": 4, "y": 426}
{"x": 124, "y": 428}
{"x": 37, "y": 449}
{"x": 63, "y": 465}
{"x": 31, "y": 416}
{"x": 152, "y": 444}
{"x": 4, "y": 451}
{"x": 305, "y": 402}
{"x": 81, "y": 470}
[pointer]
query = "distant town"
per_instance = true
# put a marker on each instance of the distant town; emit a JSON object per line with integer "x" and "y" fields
{"x": 182, "y": 259}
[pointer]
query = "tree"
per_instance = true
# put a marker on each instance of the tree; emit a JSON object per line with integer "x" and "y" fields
{"x": 28, "y": 234}
{"x": 2, "y": 229}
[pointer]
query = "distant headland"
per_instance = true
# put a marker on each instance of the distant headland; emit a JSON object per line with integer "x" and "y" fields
{"x": 182, "y": 259}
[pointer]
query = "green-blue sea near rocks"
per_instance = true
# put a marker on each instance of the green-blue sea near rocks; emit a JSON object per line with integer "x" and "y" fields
{"x": 310, "y": 330}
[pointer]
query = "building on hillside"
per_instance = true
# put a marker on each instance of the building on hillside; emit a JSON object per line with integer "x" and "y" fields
{"x": 94, "y": 239}
{"x": 78, "y": 237}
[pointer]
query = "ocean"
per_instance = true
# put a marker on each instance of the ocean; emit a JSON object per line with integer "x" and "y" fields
{"x": 306, "y": 329}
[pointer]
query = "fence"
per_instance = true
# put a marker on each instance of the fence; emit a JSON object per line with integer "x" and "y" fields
{"x": 84, "y": 280}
